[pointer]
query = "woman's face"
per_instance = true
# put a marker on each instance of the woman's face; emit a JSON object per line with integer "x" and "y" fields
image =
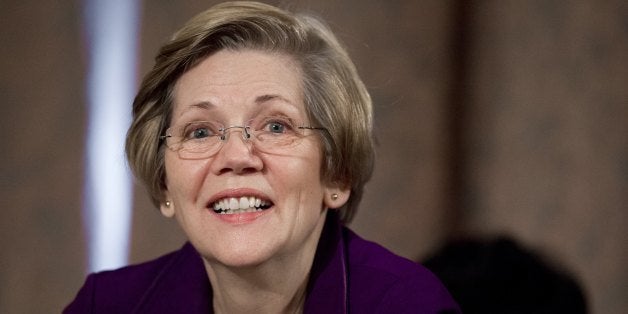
{"x": 233, "y": 88}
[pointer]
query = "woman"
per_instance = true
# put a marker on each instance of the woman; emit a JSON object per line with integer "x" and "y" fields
{"x": 253, "y": 131}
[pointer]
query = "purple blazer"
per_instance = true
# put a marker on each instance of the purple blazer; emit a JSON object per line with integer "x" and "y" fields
{"x": 349, "y": 275}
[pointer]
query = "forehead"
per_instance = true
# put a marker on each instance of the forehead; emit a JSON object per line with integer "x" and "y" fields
{"x": 239, "y": 80}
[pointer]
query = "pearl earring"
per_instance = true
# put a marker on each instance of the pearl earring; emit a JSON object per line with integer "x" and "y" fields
{"x": 167, "y": 203}
{"x": 334, "y": 197}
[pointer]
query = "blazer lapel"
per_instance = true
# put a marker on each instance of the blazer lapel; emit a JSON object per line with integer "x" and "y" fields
{"x": 328, "y": 283}
{"x": 181, "y": 287}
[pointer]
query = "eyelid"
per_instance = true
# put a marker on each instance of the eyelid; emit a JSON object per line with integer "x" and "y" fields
{"x": 279, "y": 119}
{"x": 212, "y": 127}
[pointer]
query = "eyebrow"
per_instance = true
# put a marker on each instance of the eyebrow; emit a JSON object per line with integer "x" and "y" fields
{"x": 206, "y": 105}
{"x": 269, "y": 97}
{"x": 203, "y": 105}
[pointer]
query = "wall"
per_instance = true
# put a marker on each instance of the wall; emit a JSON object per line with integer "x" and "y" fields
{"x": 492, "y": 117}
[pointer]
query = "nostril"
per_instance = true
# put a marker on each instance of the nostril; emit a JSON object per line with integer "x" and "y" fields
{"x": 238, "y": 158}
{"x": 240, "y": 171}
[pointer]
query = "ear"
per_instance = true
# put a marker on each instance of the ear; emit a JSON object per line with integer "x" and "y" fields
{"x": 336, "y": 196}
{"x": 167, "y": 206}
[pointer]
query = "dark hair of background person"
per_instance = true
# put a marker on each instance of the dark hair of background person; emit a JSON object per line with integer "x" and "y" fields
{"x": 502, "y": 276}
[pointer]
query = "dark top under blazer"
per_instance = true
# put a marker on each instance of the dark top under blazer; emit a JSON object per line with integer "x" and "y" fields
{"x": 349, "y": 275}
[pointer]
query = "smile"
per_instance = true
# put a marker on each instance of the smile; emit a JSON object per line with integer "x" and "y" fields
{"x": 239, "y": 205}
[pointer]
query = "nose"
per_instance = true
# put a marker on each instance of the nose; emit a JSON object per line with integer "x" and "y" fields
{"x": 227, "y": 131}
{"x": 237, "y": 154}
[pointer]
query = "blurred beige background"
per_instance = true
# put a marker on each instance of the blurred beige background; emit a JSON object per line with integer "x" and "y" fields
{"x": 493, "y": 117}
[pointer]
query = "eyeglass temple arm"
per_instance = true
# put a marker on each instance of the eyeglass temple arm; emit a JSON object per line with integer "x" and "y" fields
{"x": 311, "y": 128}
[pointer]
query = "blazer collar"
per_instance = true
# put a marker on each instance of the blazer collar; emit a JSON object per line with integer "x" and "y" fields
{"x": 181, "y": 287}
{"x": 328, "y": 283}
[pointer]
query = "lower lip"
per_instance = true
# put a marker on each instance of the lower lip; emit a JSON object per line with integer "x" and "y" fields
{"x": 242, "y": 218}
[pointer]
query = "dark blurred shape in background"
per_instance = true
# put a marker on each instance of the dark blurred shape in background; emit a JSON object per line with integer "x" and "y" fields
{"x": 502, "y": 276}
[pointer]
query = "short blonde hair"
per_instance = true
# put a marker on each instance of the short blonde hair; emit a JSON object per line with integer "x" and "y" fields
{"x": 334, "y": 95}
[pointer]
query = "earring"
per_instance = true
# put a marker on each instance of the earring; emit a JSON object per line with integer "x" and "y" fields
{"x": 167, "y": 203}
{"x": 334, "y": 197}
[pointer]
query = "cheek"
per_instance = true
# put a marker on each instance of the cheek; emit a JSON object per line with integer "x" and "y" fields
{"x": 184, "y": 178}
{"x": 292, "y": 174}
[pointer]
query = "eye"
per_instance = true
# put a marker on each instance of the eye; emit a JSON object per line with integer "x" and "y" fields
{"x": 200, "y": 133}
{"x": 276, "y": 127}
{"x": 198, "y": 130}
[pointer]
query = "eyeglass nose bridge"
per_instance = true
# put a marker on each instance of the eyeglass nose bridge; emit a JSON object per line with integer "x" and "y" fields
{"x": 246, "y": 134}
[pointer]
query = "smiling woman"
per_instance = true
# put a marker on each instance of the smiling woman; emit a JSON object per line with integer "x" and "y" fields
{"x": 253, "y": 131}
{"x": 287, "y": 178}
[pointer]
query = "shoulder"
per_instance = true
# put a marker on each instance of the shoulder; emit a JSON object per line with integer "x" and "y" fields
{"x": 382, "y": 282}
{"x": 120, "y": 290}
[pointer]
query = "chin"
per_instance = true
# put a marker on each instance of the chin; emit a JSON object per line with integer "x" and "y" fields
{"x": 240, "y": 255}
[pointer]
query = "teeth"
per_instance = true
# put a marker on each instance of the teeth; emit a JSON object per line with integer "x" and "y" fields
{"x": 244, "y": 202}
{"x": 233, "y": 205}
